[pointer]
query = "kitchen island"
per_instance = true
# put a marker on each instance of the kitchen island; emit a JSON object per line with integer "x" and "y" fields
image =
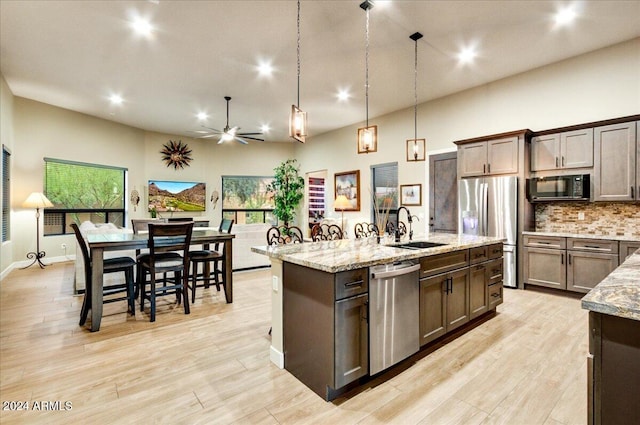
{"x": 321, "y": 299}
{"x": 614, "y": 346}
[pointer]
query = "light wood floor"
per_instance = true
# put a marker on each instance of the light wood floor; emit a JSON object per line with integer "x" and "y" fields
{"x": 527, "y": 365}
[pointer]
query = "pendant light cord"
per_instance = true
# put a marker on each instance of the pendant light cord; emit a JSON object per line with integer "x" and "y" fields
{"x": 415, "y": 94}
{"x": 366, "y": 69}
{"x": 298, "y": 52}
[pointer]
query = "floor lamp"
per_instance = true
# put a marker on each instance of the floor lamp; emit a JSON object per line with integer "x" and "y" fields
{"x": 37, "y": 200}
{"x": 342, "y": 203}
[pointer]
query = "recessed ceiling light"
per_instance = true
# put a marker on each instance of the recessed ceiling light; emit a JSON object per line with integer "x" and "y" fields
{"x": 202, "y": 116}
{"x": 565, "y": 16}
{"x": 343, "y": 95}
{"x": 265, "y": 69}
{"x": 116, "y": 99}
{"x": 265, "y": 128}
{"x": 467, "y": 55}
{"x": 142, "y": 27}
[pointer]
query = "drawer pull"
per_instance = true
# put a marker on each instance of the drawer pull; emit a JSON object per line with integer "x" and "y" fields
{"x": 544, "y": 243}
{"x": 495, "y": 294}
{"x": 593, "y": 246}
{"x": 352, "y": 284}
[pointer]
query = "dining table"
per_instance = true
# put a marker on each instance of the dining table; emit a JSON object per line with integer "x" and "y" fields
{"x": 99, "y": 243}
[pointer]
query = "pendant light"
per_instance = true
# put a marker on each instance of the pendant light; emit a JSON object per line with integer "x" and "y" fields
{"x": 298, "y": 118}
{"x": 368, "y": 135}
{"x": 415, "y": 146}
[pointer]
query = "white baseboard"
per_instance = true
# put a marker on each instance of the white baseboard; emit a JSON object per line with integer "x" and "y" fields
{"x": 276, "y": 357}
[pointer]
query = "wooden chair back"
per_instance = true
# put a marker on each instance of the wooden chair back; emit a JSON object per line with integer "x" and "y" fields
{"x": 170, "y": 237}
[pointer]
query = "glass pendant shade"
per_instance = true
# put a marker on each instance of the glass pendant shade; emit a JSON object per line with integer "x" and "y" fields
{"x": 416, "y": 150}
{"x": 298, "y": 124}
{"x": 368, "y": 139}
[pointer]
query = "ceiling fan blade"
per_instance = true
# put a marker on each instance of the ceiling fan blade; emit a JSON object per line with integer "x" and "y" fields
{"x": 208, "y": 136}
{"x": 250, "y": 134}
{"x": 212, "y": 129}
{"x": 253, "y": 138}
{"x": 241, "y": 140}
{"x": 199, "y": 131}
{"x": 221, "y": 141}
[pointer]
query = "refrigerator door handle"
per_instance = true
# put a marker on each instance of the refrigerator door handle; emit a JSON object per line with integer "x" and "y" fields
{"x": 485, "y": 209}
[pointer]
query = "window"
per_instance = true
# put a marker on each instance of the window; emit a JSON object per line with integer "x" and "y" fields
{"x": 81, "y": 192}
{"x": 245, "y": 199}
{"x": 6, "y": 194}
{"x": 385, "y": 184}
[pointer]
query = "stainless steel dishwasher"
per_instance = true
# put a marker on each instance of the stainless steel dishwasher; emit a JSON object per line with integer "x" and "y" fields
{"x": 394, "y": 329}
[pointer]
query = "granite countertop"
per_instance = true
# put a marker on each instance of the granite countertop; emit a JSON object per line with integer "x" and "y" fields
{"x": 619, "y": 293}
{"x": 585, "y": 236}
{"x": 349, "y": 254}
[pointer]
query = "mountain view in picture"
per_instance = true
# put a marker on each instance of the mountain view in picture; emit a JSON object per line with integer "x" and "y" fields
{"x": 168, "y": 196}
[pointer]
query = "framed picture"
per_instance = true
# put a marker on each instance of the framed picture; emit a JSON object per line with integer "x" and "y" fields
{"x": 411, "y": 194}
{"x": 348, "y": 184}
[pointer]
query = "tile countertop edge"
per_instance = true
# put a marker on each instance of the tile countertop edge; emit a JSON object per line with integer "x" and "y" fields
{"x": 350, "y": 254}
{"x": 619, "y": 293}
{"x": 622, "y": 238}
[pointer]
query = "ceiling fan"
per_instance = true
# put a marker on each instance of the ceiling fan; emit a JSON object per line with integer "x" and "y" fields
{"x": 229, "y": 133}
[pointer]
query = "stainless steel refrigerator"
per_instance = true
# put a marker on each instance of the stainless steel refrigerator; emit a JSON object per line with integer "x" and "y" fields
{"x": 488, "y": 206}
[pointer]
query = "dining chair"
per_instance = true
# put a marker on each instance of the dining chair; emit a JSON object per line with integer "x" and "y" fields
{"x": 166, "y": 241}
{"x": 284, "y": 235}
{"x": 142, "y": 225}
{"x": 110, "y": 265}
{"x": 364, "y": 230}
{"x": 209, "y": 258}
{"x": 326, "y": 232}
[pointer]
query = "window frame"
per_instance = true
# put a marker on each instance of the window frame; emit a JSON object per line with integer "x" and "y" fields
{"x": 233, "y": 212}
{"x": 61, "y": 214}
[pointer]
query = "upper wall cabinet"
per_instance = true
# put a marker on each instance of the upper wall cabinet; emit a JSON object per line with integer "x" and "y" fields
{"x": 570, "y": 149}
{"x": 490, "y": 157}
{"x": 616, "y": 157}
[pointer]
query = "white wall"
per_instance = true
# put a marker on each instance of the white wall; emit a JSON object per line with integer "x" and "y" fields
{"x": 6, "y": 139}
{"x": 596, "y": 86}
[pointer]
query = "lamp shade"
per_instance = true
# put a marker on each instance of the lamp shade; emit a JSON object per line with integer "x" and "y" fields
{"x": 341, "y": 203}
{"x": 37, "y": 200}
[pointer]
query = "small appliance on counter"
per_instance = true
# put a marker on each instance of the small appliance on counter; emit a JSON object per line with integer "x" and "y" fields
{"x": 559, "y": 188}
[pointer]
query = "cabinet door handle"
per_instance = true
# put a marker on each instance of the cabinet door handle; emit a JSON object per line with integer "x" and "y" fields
{"x": 451, "y": 285}
{"x": 484, "y": 168}
{"x": 632, "y": 193}
{"x": 488, "y": 168}
{"x": 563, "y": 161}
{"x": 561, "y": 258}
{"x": 569, "y": 258}
{"x": 556, "y": 162}
{"x": 351, "y": 284}
{"x": 365, "y": 309}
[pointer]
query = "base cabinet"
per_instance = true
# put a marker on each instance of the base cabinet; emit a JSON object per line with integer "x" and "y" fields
{"x": 626, "y": 249}
{"x": 545, "y": 267}
{"x": 444, "y": 304}
{"x": 614, "y": 374}
{"x": 351, "y": 341}
{"x": 586, "y": 269}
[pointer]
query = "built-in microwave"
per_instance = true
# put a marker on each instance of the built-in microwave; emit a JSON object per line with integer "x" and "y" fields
{"x": 559, "y": 188}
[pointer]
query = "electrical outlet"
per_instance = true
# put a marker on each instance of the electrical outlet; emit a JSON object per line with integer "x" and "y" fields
{"x": 581, "y": 215}
{"x": 63, "y": 246}
{"x": 274, "y": 283}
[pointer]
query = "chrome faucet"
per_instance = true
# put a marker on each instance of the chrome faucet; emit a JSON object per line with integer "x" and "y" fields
{"x": 398, "y": 223}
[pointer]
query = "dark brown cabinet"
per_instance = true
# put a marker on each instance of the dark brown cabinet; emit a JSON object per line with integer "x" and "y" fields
{"x": 325, "y": 327}
{"x": 478, "y": 290}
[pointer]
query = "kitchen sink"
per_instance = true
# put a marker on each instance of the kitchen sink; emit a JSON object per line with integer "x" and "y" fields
{"x": 419, "y": 245}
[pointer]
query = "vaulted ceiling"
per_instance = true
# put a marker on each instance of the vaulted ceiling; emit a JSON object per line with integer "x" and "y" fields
{"x": 76, "y": 54}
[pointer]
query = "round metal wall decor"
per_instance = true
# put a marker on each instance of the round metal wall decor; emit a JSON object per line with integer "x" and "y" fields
{"x": 177, "y": 154}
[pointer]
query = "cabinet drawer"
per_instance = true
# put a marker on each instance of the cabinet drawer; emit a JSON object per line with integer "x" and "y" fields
{"x": 495, "y": 251}
{"x": 478, "y": 254}
{"x": 495, "y": 295}
{"x": 593, "y": 245}
{"x": 352, "y": 282}
{"x": 442, "y": 263}
{"x": 494, "y": 271}
{"x": 554, "y": 242}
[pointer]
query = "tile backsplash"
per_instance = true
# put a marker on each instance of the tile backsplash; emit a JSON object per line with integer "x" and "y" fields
{"x": 601, "y": 218}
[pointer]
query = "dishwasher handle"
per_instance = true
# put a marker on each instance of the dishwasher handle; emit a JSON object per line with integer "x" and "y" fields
{"x": 396, "y": 272}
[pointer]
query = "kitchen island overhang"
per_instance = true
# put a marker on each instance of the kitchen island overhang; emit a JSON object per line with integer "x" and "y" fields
{"x": 458, "y": 281}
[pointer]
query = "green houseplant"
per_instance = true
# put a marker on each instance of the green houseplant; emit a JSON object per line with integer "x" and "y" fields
{"x": 288, "y": 189}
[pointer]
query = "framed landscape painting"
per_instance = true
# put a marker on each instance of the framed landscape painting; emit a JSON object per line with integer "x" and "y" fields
{"x": 348, "y": 184}
{"x": 411, "y": 194}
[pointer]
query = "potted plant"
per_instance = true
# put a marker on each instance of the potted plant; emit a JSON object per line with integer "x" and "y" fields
{"x": 288, "y": 189}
